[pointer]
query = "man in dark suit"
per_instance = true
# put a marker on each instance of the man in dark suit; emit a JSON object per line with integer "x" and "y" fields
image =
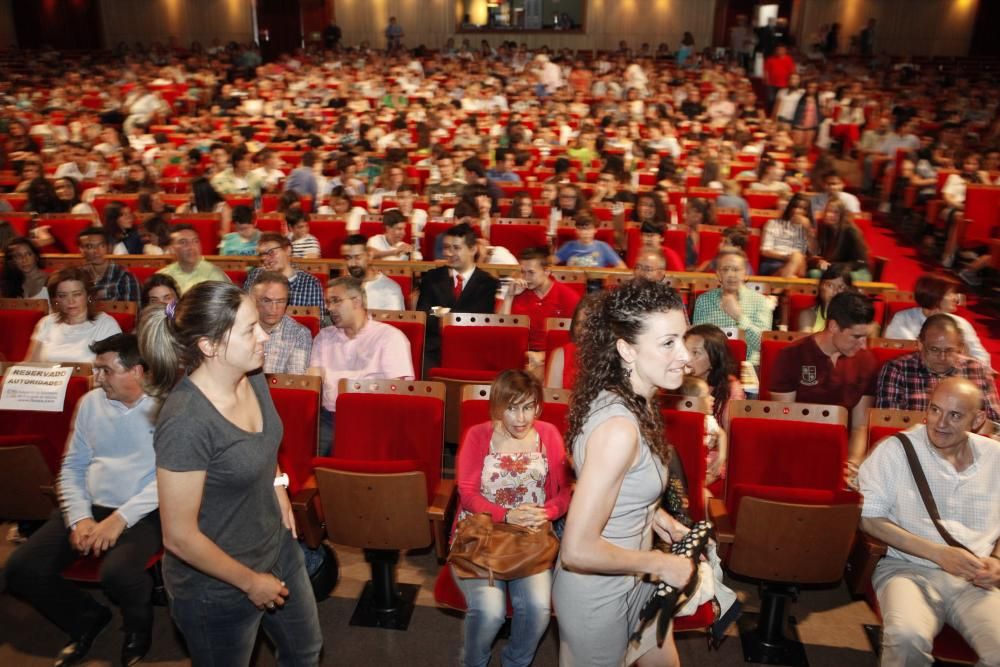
{"x": 458, "y": 286}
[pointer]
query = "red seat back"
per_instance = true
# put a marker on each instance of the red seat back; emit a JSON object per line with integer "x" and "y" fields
{"x": 685, "y": 431}
{"x": 65, "y": 228}
{"x": 207, "y": 228}
{"x": 52, "y": 428}
{"x": 331, "y": 235}
{"x": 517, "y": 237}
{"x": 310, "y": 322}
{"x": 413, "y": 433}
{"x": 488, "y": 348}
{"x": 807, "y": 460}
{"x": 982, "y": 210}
{"x": 15, "y": 334}
{"x": 769, "y": 350}
{"x": 298, "y": 407}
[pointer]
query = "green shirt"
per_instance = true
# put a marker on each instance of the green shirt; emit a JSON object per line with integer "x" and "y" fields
{"x": 758, "y": 316}
{"x": 186, "y": 280}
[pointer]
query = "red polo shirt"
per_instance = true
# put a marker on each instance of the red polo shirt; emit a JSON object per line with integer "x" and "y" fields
{"x": 777, "y": 70}
{"x": 559, "y": 301}
{"x": 804, "y": 368}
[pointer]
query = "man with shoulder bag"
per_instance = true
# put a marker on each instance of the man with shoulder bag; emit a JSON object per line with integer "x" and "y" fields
{"x": 931, "y": 493}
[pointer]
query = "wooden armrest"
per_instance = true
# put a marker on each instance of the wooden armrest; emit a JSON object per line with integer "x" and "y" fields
{"x": 440, "y": 511}
{"x": 865, "y": 555}
{"x": 444, "y": 496}
{"x": 308, "y": 514}
{"x": 719, "y": 516}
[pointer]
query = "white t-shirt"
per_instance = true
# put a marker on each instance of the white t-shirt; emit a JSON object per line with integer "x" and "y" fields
{"x": 58, "y": 341}
{"x": 384, "y": 293}
{"x": 380, "y": 244}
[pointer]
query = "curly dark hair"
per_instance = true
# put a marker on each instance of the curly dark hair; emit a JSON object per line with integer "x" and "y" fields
{"x": 619, "y": 313}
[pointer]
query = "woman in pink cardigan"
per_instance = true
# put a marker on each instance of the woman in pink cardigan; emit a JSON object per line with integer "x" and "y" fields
{"x": 514, "y": 468}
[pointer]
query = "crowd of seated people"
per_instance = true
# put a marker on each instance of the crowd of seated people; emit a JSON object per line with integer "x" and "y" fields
{"x": 426, "y": 157}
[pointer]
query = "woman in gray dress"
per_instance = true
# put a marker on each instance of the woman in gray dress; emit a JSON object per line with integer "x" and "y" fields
{"x": 632, "y": 346}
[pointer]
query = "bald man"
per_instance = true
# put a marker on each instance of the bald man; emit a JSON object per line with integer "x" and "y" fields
{"x": 651, "y": 265}
{"x": 922, "y": 582}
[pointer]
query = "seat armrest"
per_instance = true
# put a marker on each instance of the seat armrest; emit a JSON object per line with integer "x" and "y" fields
{"x": 444, "y": 497}
{"x": 719, "y": 516}
{"x": 308, "y": 513}
{"x": 865, "y": 555}
{"x": 440, "y": 510}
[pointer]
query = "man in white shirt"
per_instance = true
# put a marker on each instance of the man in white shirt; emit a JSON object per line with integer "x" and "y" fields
{"x": 381, "y": 291}
{"x": 833, "y": 186}
{"x": 108, "y": 507}
{"x": 923, "y": 582}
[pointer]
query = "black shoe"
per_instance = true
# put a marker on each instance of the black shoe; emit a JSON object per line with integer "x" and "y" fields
{"x": 136, "y": 647}
{"x": 79, "y": 646}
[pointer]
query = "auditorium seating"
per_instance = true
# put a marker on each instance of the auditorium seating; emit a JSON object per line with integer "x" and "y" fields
{"x": 19, "y": 317}
{"x": 46, "y": 430}
{"x": 308, "y": 316}
{"x": 413, "y": 323}
{"x": 772, "y": 342}
{"x": 124, "y": 313}
{"x": 786, "y": 520}
{"x": 382, "y": 484}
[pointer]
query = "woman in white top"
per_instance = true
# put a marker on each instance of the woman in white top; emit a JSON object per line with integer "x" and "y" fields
{"x": 67, "y": 332}
{"x": 935, "y": 294}
{"x": 23, "y": 275}
{"x": 787, "y": 99}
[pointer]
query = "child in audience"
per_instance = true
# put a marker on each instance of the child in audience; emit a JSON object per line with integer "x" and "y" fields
{"x": 304, "y": 244}
{"x": 243, "y": 241}
{"x": 716, "y": 441}
{"x": 585, "y": 250}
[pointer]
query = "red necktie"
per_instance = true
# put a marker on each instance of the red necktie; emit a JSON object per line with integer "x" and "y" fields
{"x": 458, "y": 286}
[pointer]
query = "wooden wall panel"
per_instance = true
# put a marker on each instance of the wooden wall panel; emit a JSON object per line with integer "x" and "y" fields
{"x": 432, "y": 22}
{"x": 186, "y": 20}
{"x": 904, "y": 27}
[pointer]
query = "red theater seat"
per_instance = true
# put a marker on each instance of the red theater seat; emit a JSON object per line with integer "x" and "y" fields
{"x": 19, "y": 317}
{"x": 124, "y": 313}
{"x": 413, "y": 323}
{"x": 307, "y": 316}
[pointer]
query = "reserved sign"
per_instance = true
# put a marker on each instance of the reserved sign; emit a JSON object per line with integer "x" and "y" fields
{"x": 35, "y": 388}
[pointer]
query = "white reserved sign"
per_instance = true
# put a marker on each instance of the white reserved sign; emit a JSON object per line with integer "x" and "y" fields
{"x": 35, "y": 388}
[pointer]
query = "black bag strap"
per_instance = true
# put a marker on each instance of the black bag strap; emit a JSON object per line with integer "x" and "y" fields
{"x": 925, "y": 492}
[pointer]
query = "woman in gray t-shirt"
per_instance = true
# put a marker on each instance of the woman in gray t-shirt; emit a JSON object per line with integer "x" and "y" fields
{"x": 232, "y": 563}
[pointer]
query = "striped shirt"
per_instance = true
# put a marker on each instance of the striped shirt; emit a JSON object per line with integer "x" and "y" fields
{"x": 307, "y": 246}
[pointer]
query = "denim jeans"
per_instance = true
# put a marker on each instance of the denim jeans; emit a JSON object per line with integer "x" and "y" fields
{"x": 327, "y": 430}
{"x": 531, "y": 599}
{"x": 222, "y": 633}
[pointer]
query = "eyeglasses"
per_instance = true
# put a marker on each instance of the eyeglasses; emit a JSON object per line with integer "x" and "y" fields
{"x": 336, "y": 300}
{"x": 269, "y": 252}
{"x": 267, "y": 303}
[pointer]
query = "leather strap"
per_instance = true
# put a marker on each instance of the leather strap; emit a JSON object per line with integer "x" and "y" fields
{"x": 925, "y": 492}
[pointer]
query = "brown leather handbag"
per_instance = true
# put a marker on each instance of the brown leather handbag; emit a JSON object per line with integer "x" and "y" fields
{"x": 486, "y": 550}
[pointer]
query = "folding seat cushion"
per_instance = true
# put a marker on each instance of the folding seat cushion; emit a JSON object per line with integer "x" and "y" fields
{"x": 65, "y": 229}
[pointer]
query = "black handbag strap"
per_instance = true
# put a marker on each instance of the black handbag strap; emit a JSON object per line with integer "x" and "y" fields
{"x": 925, "y": 492}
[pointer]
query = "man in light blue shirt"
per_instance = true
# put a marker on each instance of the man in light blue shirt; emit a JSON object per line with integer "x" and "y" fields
{"x": 108, "y": 507}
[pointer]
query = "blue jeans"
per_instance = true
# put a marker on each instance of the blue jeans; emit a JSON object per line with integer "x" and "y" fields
{"x": 220, "y": 633}
{"x": 327, "y": 430}
{"x": 531, "y": 599}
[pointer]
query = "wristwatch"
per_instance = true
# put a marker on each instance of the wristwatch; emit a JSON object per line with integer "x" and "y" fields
{"x": 281, "y": 480}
